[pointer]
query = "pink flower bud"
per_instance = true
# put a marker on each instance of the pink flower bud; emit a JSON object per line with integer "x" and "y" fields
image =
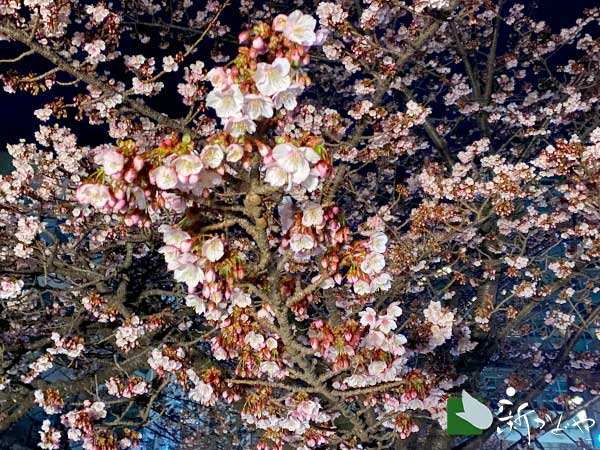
{"x": 240, "y": 272}
{"x": 138, "y": 163}
{"x": 322, "y": 168}
{"x": 314, "y": 343}
{"x": 209, "y": 275}
{"x": 263, "y": 150}
{"x": 321, "y": 37}
{"x": 121, "y": 205}
{"x": 130, "y": 175}
{"x": 253, "y": 53}
{"x": 258, "y": 43}
{"x": 279, "y": 22}
{"x": 243, "y": 36}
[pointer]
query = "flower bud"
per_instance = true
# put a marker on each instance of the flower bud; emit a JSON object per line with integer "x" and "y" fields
{"x": 130, "y": 175}
{"x": 322, "y": 168}
{"x": 243, "y": 36}
{"x": 258, "y": 43}
{"x": 119, "y": 194}
{"x": 279, "y": 22}
{"x": 209, "y": 275}
{"x": 121, "y": 205}
{"x": 138, "y": 163}
{"x": 321, "y": 37}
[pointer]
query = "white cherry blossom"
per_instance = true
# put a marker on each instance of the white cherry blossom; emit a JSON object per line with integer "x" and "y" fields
{"x": 362, "y": 287}
{"x": 189, "y": 273}
{"x": 234, "y": 153}
{"x": 212, "y": 155}
{"x": 383, "y": 282}
{"x": 373, "y": 263}
{"x": 255, "y": 340}
{"x": 257, "y": 106}
{"x": 112, "y": 161}
{"x": 272, "y": 78}
{"x": 174, "y": 236}
{"x": 295, "y": 160}
{"x": 193, "y": 301}
{"x": 300, "y": 28}
{"x": 213, "y": 249}
{"x": 276, "y": 176}
{"x": 300, "y": 242}
{"x": 240, "y": 299}
{"x": 378, "y": 242}
{"x": 226, "y": 103}
{"x": 368, "y": 317}
{"x": 386, "y": 324}
{"x": 187, "y": 165}
{"x": 312, "y": 214}
{"x": 169, "y": 64}
{"x": 202, "y": 392}
{"x": 96, "y": 195}
{"x": 377, "y": 368}
{"x": 218, "y": 78}
{"x": 288, "y": 98}
{"x": 239, "y": 125}
{"x": 165, "y": 177}
{"x": 394, "y": 310}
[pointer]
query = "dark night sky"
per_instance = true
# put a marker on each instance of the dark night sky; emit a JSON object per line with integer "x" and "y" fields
{"x": 16, "y": 110}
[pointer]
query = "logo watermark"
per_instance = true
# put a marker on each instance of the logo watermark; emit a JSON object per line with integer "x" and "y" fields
{"x": 468, "y": 416}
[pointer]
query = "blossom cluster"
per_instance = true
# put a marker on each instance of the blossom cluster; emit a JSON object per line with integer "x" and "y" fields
{"x": 132, "y": 387}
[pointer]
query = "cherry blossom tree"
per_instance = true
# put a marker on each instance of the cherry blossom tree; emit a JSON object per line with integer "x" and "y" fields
{"x": 311, "y": 221}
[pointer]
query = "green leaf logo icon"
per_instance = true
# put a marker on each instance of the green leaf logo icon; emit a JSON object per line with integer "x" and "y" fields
{"x": 467, "y": 416}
